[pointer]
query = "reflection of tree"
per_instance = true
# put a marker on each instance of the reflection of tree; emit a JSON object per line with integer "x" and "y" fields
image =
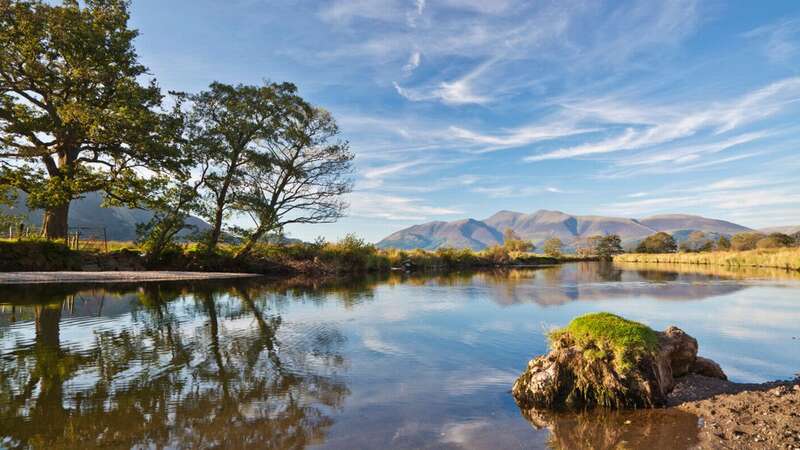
{"x": 602, "y": 429}
{"x": 184, "y": 374}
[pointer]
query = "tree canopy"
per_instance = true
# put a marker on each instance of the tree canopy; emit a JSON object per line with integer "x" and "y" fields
{"x": 74, "y": 117}
{"x": 660, "y": 242}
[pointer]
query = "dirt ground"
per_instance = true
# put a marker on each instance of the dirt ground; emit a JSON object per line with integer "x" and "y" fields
{"x": 742, "y": 416}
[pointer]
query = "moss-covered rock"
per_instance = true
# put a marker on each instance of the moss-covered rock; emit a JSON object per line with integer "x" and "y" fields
{"x": 605, "y": 360}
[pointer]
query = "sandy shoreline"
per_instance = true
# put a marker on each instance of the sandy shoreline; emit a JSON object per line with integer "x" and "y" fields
{"x": 113, "y": 277}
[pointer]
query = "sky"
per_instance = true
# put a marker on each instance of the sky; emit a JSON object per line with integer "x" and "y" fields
{"x": 462, "y": 108}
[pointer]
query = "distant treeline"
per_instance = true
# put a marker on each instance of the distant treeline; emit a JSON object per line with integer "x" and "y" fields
{"x": 700, "y": 242}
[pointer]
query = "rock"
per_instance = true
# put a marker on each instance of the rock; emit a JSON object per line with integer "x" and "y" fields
{"x": 679, "y": 349}
{"x": 587, "y": 371}
{"x": 707, "y": 368}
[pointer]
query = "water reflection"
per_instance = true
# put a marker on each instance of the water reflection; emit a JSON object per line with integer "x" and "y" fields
{"x": 552, "y": 286}
{"x": 199, "y": 369}
{"x": 393, "y": 361}
{"x": 608, "y": 430}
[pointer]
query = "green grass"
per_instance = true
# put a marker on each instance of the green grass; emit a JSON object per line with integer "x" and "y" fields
{"x": 348, "y": 256}
{"x": 604, "y": 334}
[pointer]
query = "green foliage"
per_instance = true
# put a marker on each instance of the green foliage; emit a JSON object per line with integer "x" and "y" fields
{"x": 74, "y": 114}
{"x": 723, "y": 243}
{"x": 552, "y": 247}
{"x": 602, "y": 334}
{"x": 745, "y": 241}
{"x": 233, "y": 129}
{"x": 658, "y": 243}
{"x": 607, "y": 246}
{"x": 307, "y": 178}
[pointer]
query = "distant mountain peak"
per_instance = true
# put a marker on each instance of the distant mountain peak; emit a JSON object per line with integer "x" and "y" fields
{"x": 544, "y": 224}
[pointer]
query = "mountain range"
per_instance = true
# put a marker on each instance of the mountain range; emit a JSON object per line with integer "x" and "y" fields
{"x": 543, "y": 224}
{"x": 120, "y": 222}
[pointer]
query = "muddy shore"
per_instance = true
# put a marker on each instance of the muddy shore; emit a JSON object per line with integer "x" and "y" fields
{"x": 740, "y": 415}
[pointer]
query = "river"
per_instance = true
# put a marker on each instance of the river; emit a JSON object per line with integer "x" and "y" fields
{"x": 397, "y": 361}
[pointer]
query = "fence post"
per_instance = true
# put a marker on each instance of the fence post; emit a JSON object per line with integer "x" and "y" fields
{"x": 105, "y": 239}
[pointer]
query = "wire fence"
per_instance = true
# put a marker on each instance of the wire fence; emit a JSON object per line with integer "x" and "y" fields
{"x": 78, "y": 238}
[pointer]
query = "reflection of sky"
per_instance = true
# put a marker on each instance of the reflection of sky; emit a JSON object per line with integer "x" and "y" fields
{"x": 435, "y": 361}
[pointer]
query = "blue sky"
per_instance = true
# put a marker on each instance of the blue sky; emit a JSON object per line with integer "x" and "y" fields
{"x": 461, "y": 108}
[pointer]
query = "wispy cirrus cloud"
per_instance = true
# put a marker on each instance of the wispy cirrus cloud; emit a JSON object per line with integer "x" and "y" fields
{"x": 715, "y": 118}
{"x": 393, "y": 207}
{"x": 779, "y": 41}
{"x": 753, "y": 197}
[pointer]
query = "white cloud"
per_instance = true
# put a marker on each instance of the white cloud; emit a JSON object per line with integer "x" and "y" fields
{"x": 779, "y": 41}
{"x": 718, "y": 118}
{"x": 726, "y": 197}
{"x": 345, "y": 11}
{"x": 391, "y": 207}
{"x": 413, "y": 62}
{"x": 519, "y": 137}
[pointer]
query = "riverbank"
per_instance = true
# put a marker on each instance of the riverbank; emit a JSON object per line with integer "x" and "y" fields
{"x": 782, "y": 258}
{"x": 346, "y": 257}
{"x": 113, "y": 277}
{"x": 741, "y": 416}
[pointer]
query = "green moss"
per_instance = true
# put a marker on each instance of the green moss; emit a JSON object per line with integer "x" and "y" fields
{"x": 603, "y": 335}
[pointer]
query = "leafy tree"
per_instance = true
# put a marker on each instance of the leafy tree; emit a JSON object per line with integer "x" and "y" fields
{"x": 552, "y": 247}
{"x": 658, "y": 243}
{"x": 301, "y": 178}
{"x": 608, "y": 246}
{"x": 512, "y": 242}
{"x": 236, "y": 125}
{"x": 723, "y": 243}
{"x": 73, "y": 115}
{"x": 796, "y": 237}
{"x": 745, "y": 241}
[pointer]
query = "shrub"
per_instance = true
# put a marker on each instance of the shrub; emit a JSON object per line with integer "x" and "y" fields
{"x": 513, "y": 243}
{"x": 552, "y": 247}
{"x": 775, "y": 240}
{"x": 745, "y": 241}
{"x": 658, "y": 243}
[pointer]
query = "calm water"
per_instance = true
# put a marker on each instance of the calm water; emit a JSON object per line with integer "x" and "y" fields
{"x": 398, "y": 362}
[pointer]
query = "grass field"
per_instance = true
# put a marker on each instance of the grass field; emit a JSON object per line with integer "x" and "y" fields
{"x": 781, "y": 258}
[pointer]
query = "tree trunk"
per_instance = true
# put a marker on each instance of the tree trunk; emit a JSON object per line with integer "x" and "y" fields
{"x": 216, "y": 229}
{"x": 251, "y": 242}
{"x": 56, "y": 222}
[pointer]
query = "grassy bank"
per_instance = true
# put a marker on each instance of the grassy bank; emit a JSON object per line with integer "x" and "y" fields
{"x": 347, "y": 256}
{"x": 782, "y": 258}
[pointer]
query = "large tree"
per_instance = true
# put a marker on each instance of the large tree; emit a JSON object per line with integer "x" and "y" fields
{"x": 302, "y": 178}
{"x": 233, "y": 123}
{"x": 73, "y": 115}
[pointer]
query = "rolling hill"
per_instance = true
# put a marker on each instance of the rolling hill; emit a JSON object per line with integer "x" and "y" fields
{"x": 120, "y": 222}
{"x": 543, "y": 224}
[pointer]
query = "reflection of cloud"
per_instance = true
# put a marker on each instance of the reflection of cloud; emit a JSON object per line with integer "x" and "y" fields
{"x": 372, "y": 340}
{"x": 463, "y": 433}
{"x": 475, "y": 380}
